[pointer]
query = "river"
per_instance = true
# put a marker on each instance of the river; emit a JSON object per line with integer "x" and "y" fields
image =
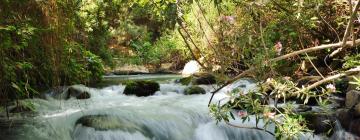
{"x": 167, "y": 115}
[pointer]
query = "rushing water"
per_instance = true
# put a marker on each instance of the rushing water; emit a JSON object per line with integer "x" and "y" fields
{"x": 168, "y": 115}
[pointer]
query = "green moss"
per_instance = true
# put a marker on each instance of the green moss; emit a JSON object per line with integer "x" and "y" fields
{"x": 194, "y": 90}
{"x": 186, "y": 80}
{"x": 141, "y": 88}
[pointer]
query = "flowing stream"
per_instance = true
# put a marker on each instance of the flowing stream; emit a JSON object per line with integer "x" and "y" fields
{"x": 111, "y": 115}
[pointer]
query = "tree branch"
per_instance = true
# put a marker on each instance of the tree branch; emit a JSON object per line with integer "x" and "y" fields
{"x": 330, "y": 78}
{"x": 348, "y": 29}
{"x": 244, "y": 73}
{"x": 241, "y": 75}
{"x": 246, "y": 127}
{"x": 334, "y": 45}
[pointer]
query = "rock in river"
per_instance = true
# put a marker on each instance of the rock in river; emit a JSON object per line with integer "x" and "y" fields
{"x": 141, "y": 88}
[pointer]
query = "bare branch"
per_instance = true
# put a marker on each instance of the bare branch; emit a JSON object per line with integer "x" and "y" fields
{"x": 330, "y": 78}
{"x": 335, "y": 45}
{"x": 241, "y": 75}
{"x": 246, "y": 127}
{"x": 348, "y": 29}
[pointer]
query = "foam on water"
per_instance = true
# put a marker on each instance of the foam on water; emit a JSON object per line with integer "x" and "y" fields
{"x": 168, "y": 115}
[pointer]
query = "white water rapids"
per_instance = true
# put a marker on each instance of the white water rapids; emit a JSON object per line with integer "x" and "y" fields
{"x": 168, "y": 115}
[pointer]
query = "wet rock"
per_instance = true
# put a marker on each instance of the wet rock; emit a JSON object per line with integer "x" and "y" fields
{"x": 204, "y": 79}
{"x": 348, "y": 120}
{"x": 356, "y": 110}
{"x": 65, "y": 93}
{"x": 320, "y": 123}
{"x": 185, "y": 80}
{"x": 355, "y": 127}
{"x": 141, "y": 88}
{"x": 106, "y": 122}
{"x": 345, "y": 117}
{"x": 194, "y": 90}
{"x": 352, "y": 98}
{"x": 55, "y": 93}
{"x": 199, "y": 79}
{"x": 77, "y": 92}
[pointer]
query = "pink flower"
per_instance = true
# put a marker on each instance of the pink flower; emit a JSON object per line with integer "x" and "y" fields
{"x": 278, "y": 48}
{"x": 229, "y": 19}
{"x": 242, "y": 113}
{"x": 331, "y": 87}
{"x": 287, "y": 78}
{"x": 270, "y": 115}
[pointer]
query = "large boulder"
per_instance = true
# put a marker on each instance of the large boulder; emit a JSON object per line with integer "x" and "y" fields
{"x": 352, "y": 98}
{"x": 141, "y": 88}
{"x": 204, "y": 79}
{"x": 194, "y": 90}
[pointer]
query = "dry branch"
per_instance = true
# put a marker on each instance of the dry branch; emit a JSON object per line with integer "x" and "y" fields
{"x": 327, "y": 46}
{"x": 347, "y": 31}
{"x": 244, "y": 73}
{"x": 333, "y": 77}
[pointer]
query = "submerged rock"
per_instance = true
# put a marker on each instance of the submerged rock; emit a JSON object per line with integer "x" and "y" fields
{"x": 194, "y": 90}
{"x": 106, "y": 122}
{"x": 141, "y": 88}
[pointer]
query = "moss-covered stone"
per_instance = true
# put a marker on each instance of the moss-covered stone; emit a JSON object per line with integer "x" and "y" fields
{"x": 199, "y": 79}
{"x": 204, "y": 79}
{"x": 194, "y": 90}
{"x": 141, "y": 88}
{"x": 186, "y": 80}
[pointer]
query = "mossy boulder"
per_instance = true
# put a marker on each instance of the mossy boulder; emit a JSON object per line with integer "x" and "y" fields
{"x": 186, "y": 80}
{"x": 141, "y": 88}
{"x": 204, "y": 79}
{"x": 199, "y": 79}
{"x": 194, "y": 90}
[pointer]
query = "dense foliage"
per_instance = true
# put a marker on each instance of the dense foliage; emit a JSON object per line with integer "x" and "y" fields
{"x": 45, "y": 44}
